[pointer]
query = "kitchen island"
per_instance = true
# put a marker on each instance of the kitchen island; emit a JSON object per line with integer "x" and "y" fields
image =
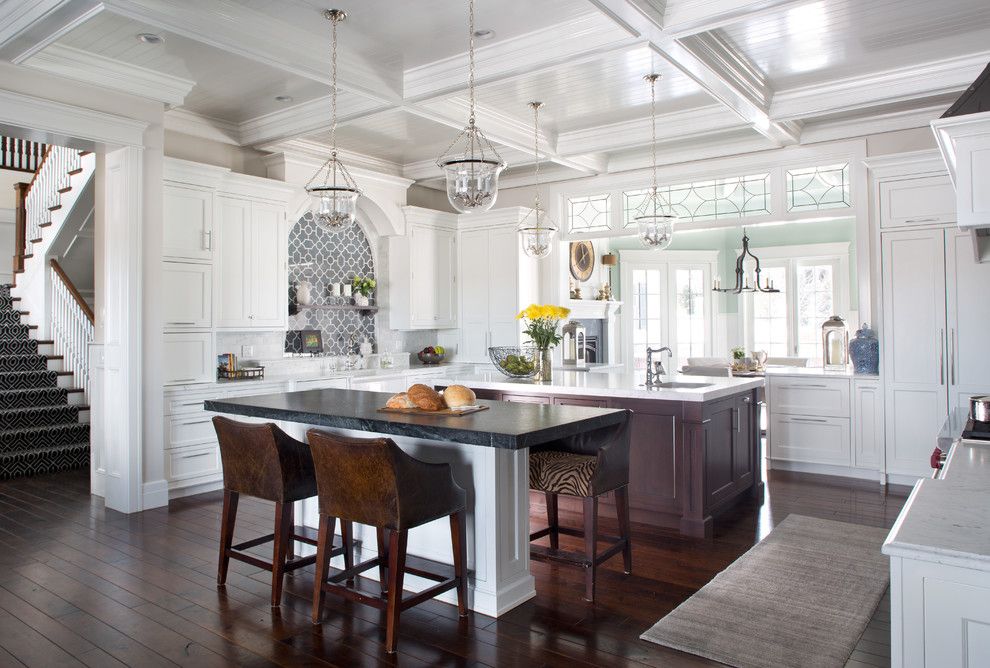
{"x": 695, "y": 447}
{"x": 488, "y": 453}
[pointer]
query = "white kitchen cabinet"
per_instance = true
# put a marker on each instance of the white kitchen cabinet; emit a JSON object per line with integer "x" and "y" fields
{"x": 321, "y": 384}
{"x": 496, "y": 282}
{"x": 936, "y": 315}
{"x": 197, "y": 464}
{"x": 810, "y": 439}
{"x": 187, "y": 213}
{"x": 187, "y": 301}
{"x": 965, "y": 145}
{"x": 422, "y": 270}
{"x": 824, "y": 397}
{"x": 867, "y": 423}
{"x": 188, "y": 357}
{"x": 251, "y": 265}
{"x": 925, "y": 200}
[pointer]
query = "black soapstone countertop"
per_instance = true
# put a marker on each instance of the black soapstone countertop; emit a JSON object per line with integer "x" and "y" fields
{"x": 504, "y": 425}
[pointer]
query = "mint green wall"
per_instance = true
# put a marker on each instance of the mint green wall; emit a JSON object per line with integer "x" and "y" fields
{"x": 726, "y": 241}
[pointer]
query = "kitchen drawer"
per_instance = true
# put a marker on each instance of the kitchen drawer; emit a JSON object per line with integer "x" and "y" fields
{"x": 526, "y": 398}
{"x": 195, "y": 462}
{"x": 321, "y": 384}
{"x": 579, "y": 401}
{"x": 248, "y": 390}
{"x": 823, "y": 397}
{"x": 813, "y": 440}
{"x": 190, "y": 429}
{"x": 188, "y": 402}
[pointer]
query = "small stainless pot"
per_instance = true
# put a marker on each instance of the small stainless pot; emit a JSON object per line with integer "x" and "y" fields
{"x": 979, "y": 408}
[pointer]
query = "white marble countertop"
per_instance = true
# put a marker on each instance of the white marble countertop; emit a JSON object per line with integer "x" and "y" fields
{"x": 612, "y": 384}
{"x": 817, "y": 372}
{"x": 947, "y": 520}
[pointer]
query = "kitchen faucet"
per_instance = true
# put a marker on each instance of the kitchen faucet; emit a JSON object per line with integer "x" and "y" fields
{"x": 655, "y": 372}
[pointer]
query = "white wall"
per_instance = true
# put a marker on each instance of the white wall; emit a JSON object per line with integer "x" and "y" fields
{"x": 242, "y": 160}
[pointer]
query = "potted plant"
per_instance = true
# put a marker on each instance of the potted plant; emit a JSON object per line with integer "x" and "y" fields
{"x": 541, "y": 327}
{"x": 364, "y": 287}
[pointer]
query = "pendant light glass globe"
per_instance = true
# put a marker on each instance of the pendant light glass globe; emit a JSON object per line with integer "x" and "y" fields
{"x": 654, "y": 218}
{"x": 471, "y": 165}
{"x": 537, "y": 229}
{"x": 333, "y": 193}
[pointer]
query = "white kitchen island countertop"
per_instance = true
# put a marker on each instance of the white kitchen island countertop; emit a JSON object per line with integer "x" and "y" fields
{"x": 616, "y": 384}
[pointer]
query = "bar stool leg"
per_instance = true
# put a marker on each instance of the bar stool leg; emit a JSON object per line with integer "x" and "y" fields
{"x": 347, "y": 538}
{"x": 324, "y": 546}
{"x": 283, "y": 536}
{"x": 552, "y": 520}
{"x": 622, "y": 510}
{"x": 396, "y": 572}
{"x": 226, "y": 533}
{"x": 382, "y": 560}
{"x": 590, "y": 545}
{"x": 458, "y": 536}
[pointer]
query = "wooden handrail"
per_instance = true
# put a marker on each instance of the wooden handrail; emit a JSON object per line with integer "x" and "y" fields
{"x": 20, "y": 226}
{"x": 44, "y": 158}
{"x": 72, "y": 289}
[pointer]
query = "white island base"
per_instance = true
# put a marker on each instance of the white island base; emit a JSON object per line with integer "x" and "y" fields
{"x": 497, "y": 485}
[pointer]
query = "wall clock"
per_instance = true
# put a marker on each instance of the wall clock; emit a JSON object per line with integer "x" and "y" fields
{"x": 582, "y": 260}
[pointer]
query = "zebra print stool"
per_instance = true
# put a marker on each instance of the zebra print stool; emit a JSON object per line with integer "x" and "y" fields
{"x": 586, "y": 466}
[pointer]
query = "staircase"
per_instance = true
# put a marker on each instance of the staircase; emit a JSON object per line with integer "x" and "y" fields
{"x": 43, "y": 423}
{"x": 44, "y": 416}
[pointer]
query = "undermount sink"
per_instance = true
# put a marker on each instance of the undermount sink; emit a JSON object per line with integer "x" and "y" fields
{"x": 673, "y": 385}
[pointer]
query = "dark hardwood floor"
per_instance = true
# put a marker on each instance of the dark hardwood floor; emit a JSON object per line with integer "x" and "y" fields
{"x": 81, "y": 585}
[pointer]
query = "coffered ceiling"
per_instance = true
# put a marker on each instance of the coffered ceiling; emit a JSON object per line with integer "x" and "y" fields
{"x": 737, "y": 75}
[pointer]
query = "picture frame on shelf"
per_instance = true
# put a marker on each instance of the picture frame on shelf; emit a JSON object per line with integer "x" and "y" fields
{"x": 312, "y": 341}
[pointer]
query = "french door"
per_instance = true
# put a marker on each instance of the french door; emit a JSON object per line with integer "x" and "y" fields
{"x": 668, "y": 302}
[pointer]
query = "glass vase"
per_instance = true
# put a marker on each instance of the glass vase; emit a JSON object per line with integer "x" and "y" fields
{"x": 543, "y": 364}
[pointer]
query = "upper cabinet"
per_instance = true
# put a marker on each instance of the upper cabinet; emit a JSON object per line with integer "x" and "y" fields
{"x": 924, "y": 200}
{"x": 422, "y": 270}
{"x": 965, "y": 145}
{"x": 188, "y": 223}
{"x": 251, "y": 264}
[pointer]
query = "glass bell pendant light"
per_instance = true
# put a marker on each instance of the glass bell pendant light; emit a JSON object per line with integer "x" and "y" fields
{"x": 471, "y": 164}
{"x": 537, "y": 229}
{"x": 332, "y": 189}
{"x": 654, "y": 219}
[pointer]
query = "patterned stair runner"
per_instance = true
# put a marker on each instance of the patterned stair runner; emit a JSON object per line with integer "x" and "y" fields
{"x": 40, "y": 431}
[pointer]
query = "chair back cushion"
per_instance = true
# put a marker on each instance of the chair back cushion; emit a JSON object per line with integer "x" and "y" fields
{"x": 608, "y": 445}
{"x": 262, "y": 460}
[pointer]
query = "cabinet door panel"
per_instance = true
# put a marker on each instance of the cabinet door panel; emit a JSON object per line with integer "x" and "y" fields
{"x": 423, "y": 260}
{"x": 268, "y": 280}
{"x": 742, "y": 445}
{"x": 232, "y": 262}
{"x": 653, "y": 470}
{"x": 720, "y": 439}
{"x": 867, "y": 423}
{"x": 473, "y": 274}
{"x": 503, "y": 305}
{"x": 446, "y": 279}
{"x": 188, "y": 223}
{"x": 188, "y": 357}
{"x": 928, "y": 200}
{"x": 967, "y": 284}
{"x": 188, "y": 300}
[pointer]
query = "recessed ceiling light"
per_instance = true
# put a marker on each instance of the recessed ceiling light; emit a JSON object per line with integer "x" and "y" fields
{"x": 484, "y": 34}
{"x": 283, "y": 98}
{"x": 150, "y": 38}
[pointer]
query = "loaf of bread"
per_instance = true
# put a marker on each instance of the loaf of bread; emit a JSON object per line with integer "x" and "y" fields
{"x": 425, "y": 397}
{"x": 456, "y": 396}
{"x": 400, "y": 400}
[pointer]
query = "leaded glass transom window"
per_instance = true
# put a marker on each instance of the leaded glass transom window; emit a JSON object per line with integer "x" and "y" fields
{"x": 816, "y": 188}
{"x": 715, "y": 199}
{"x": 588, "y": 214}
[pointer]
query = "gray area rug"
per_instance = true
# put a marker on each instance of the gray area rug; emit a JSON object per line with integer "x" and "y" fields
{"x": 801, "y": 597}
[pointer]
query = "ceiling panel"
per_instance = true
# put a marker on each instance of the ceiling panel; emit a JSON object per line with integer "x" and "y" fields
{"x": 396, "y": 135}
{"x": 820, "y": 40}
{"x": 606, "y": 89}
{"x": 228, "y": 87}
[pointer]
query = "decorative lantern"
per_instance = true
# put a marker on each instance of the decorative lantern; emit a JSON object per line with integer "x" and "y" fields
{"x": 575, "y": 338}
{"x": 835, "y": 340}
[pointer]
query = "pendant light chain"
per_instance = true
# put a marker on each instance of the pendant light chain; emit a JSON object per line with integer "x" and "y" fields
{"x": 536, "y": 153}
{"x": 471, "y": 62}
{"x": 652, "y": 78}
{"x": 333, "y": 82}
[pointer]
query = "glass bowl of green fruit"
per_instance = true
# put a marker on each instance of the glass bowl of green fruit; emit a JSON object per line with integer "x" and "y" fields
{"x": 514, "y": 361}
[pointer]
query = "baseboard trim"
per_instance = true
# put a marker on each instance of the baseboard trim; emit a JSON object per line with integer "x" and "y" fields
{"x": 826, "y": 469}
{"x": 154, "y": 494}
{"x": 198, "y": 488}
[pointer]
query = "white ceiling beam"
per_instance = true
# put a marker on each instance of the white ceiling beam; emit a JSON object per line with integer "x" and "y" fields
{"x": 196, "y": 125}
{"x": 319, "y": 152}
{"x": 240, "y": 30}
{"x": 710, "y": 76}
{"x": 917, "y": 82}
{"x": 871, "y": 123}
{"x": 306, "y": 118}
{"x": 91, "y": 68}
{"x": 27, "y": 26}
{"x": 693, "y": 17}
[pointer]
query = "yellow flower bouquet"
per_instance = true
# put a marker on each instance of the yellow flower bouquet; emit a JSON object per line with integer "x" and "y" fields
{"x": 541, "y": 324}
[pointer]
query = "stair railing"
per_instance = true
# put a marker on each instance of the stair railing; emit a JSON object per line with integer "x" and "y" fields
{"x": 21, "y": 155}
{"x": 71, "y": 327}
{"x": 51, "y": 179}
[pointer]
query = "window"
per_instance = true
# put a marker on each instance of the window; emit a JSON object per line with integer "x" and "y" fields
{"x": 716, "y": 199}
{"x": 812, "y": 282}
{"x": 671, "y": 305}
{"x": 816, "y": 188}
{"x": 588, "y": 214}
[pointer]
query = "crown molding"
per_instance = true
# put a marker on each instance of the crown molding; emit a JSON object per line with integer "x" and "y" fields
{"x": 318, "y": 152}
{"x": 305, "y": 118}
{"x": 907, "y": 163}
{"x": 942, "y": 77}
{"x": 581, "y": 37}
{"x": 204, "y": 127}
{"x": 105, "y": 72}
{"x": 70, "y": 120}
{"x": 827, "y": 130}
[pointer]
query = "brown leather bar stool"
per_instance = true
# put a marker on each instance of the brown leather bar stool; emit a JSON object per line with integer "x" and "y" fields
{"x": 262, "y": 461}
{"x": 373, "y": 482}
{"x": 586, "y": 465}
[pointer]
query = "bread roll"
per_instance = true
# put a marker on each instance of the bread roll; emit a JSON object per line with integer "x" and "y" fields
{"x": 425, "y": 397}
{"x": 400, "y": 400}
{"x": 457, "y": 395}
